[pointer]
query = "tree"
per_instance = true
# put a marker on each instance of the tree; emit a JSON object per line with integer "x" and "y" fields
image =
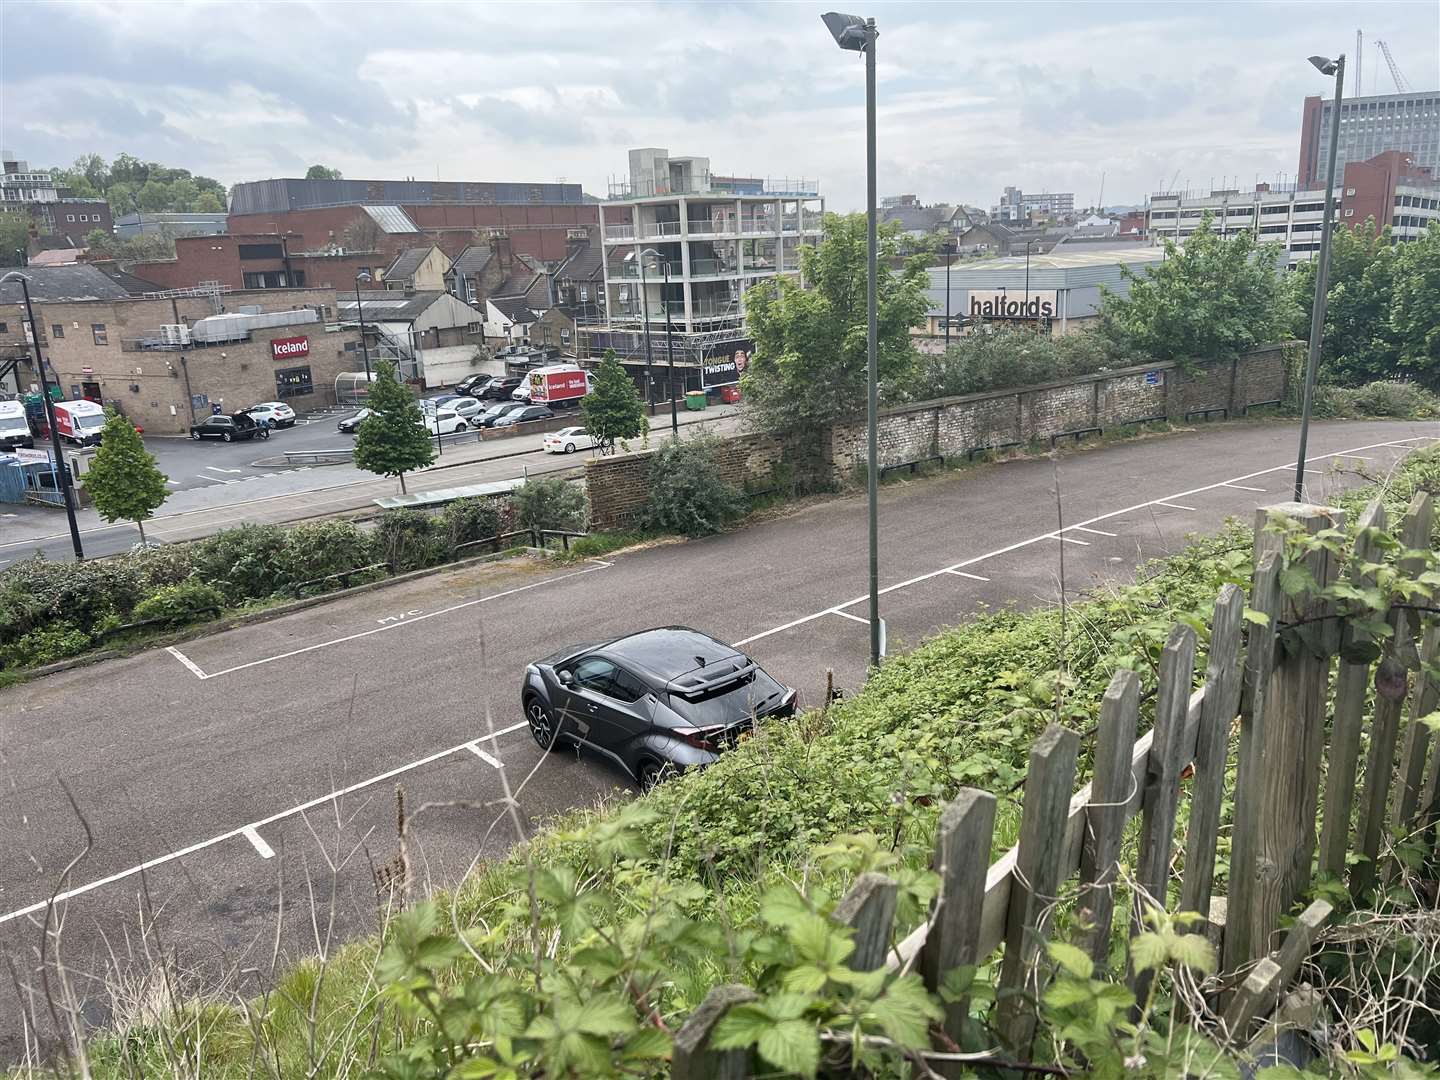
{"x": 14, "y": 236}
{"x": 124, "y": 481}
{"x": 613, "y": 410}
{"x": 809, "y": 364}
{"x": 209, "y": 203}
{"x": 1358, "y": 344}
{"x": 549, "y": 502}
{"x": 393, "y": 439}
{"x": 1415, "y": 316}
{"x": 1213, "y": 298}
{"x": 321, "y": 172}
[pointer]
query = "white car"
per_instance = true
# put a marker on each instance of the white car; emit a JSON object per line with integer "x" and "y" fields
{"x": 275, "y": 413}
{"x": 467, "y": 407}
{"x": 568, "y": 440}
{"x": 444, "y": 421}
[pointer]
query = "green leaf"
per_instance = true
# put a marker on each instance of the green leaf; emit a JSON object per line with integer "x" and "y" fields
{"x": 603, "y": 1015}
{"x": 906, "y": 1011}
{"x": 782, "y": 905}
{"x": 792, "y": 1046}
{"x": 1296, "y": 579}
{"x": 1259, "y": 618}
{"x": 1149, "y": 951}
{"x": 1071, "y": 959}
{"x": 1194, "y": 951}
{"x": 1360, "y": 652}
{"x": 647, "y": 1043}
{"x": 1066, "y": 993}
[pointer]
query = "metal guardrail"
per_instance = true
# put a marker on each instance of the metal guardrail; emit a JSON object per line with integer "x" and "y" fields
{"x": 318, "y": 457}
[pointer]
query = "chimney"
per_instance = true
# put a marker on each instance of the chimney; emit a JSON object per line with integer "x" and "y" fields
{"x": 502, "y": 251}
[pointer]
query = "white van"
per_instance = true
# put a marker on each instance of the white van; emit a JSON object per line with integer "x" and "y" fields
{"x": 14, "y": 427}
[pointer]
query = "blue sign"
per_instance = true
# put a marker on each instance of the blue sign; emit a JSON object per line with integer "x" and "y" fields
{"x": 1152, "y": 378}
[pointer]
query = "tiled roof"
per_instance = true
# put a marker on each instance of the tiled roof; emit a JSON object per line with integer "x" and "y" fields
{"x": 406, "y": 263}
{"x": 514, "y": 308}
{"x": 473, "y": 259}
{"x": 79, "y": 282}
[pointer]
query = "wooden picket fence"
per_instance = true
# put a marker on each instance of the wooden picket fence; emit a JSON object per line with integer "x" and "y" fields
{"x": 1282, "y": 700}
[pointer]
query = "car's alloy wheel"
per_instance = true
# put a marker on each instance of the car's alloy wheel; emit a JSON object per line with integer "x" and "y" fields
{"x": 225, "y": 436}
{"x": 542, "y": 727}
{"x": 195, "y": 435}
{"x": 569, "y": 447}
{"x": 651, "y": 773}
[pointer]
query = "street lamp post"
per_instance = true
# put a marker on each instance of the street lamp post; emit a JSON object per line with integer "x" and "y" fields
{"x": 645, "y": 319}
{"x": 1027, "y": 274}
{"x": 855, "y": 34}
{"x": 670, "y": 352}
{"x": 360, "y": 311}
{"x": 62, "y": 480}
{"x": 949, "y": 251}
{"x": 1334, "y": 67}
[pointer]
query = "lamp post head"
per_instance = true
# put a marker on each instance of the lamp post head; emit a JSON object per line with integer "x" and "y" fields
{"x": 1325, "y": 65}
{"x": 850, "y": 32}
{"x": 15, "y": 275}
{"x": 364, "y": 275}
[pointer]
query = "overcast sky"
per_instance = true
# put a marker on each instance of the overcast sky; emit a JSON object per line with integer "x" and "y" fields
{"x": 972, "y": 96}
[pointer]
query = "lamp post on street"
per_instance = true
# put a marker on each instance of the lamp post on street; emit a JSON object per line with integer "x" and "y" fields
{"x": 669, "y": 336}
{"x": 645, "y": 320}
{"x": 364, "y": 275}
{"x": 1334, "y": 67}
{"x": 948, "y": 250}
{"x": 855, "y": 34}
{"x": 62, "y": 478}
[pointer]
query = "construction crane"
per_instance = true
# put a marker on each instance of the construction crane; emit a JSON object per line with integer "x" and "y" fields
{"x": 1402, "y": 84}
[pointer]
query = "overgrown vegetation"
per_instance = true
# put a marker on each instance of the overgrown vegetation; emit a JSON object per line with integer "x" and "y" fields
{"x": 550, "y": 502}
{"x": 581, "y": 952}
{"x": 688, "y": 494}
{"x": 1011, "y": 356}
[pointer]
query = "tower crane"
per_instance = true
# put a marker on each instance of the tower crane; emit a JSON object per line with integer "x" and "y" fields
{"x": 1402, "y": 84}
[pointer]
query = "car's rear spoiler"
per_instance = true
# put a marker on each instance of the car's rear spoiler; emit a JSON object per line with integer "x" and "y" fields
{"x": 703, "y": 680}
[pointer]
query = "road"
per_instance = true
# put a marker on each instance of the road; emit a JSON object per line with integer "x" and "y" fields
{"x": 231, "y": 483}
{"x": 262, "y": 761}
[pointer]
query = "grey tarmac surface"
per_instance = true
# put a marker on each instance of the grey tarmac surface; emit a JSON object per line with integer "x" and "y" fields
{"x": 261, "y": 763}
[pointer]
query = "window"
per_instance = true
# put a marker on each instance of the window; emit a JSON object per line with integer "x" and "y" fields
{"x": 297, "y": 278}
{"x": 5, "y": 328}
{"x": 1349, "y": 191}
{"x": 595, "y": 674}
{"x": 86, "y": 217}
{"x": 564, "y": 335}
{"x": 474, "y": 328}
{"x": 293, "y": 382}
{"x": 584, "y": 293}
{"x": 57, "y": 330}
{"x": 261, "y": 251}
{"x": 69, "y": 217}
{"x": 1349, "y": 213}
{"x": 1282, "y": 208}
{"x": 97, "y": 331}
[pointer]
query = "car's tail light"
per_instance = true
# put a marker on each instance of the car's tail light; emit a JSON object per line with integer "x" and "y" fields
{"x": 700, "y": 738}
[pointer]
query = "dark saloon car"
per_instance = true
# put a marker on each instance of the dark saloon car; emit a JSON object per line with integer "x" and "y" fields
{"x": 350, "y": 423}
{"x": 498, "y": 412}
{"x": 654, "y": 702}
{"x": 497, "y": 388}
{"x": 229, "y": 428}
{"x": 524, "y": 415}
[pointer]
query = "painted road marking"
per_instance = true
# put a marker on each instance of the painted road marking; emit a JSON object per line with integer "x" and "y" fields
{"x": 847, "y": 615}
{"x": 216, "y": 468}
{"x": 1097, "y": 532}
{"x": 1178, "y": 506}
{"x": 1069, "y": 539}
{"x": 397, "y": 618}
{"x": 254, "y": 826}
{"x": 194, "y": 667}
{"x": 264, "y": 849}
{"x": 1242, "y": 487}
{"x": 972, "y": 577}
{"x": 1008, "y": 548}
{"x": 489, "y": 759}
{"x": 600, "y": 564}
{"x": 216, "y": 479}
{"x": 175, "y": 482}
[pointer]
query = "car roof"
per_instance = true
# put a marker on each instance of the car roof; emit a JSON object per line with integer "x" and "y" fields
{"x": 667, "y": 652}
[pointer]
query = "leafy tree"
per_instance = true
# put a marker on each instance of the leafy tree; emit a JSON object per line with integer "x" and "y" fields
{"x": 1212, "y": 298}
{"x": 1004, "y": 356}
{"x": 613, "y": 410}
{"x": 136, "y": 249}
{"x": 548, "y": 502}
{"x": 688, "y": 493}
{"x": 124, "y": 481}
{"x": 1358, "y": 345}
{"x": 321, "y": 172}
{"x": 14, "y": 236}
{"x": 809, "y": 364}
{"x": 1415, "y": 316}
{"x": 392, "y": 440}
{"x": 154, "y": 196}
{"x": 207, "y": 202}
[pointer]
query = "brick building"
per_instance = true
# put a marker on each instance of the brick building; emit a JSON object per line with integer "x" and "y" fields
{"x": 115, "y": 351}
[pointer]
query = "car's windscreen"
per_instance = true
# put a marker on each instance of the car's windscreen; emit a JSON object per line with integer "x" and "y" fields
{"x": 90, "y": 423}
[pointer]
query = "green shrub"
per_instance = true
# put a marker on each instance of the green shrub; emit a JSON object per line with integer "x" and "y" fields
{"x": 411, "y": 540}
{"x": 1003, "y": 358}
{"x": 175, "y": 605}
{"x": 45, "y": 645}
{"x": 319, "y": 549}
{"x": 687, "y": 493}
{"x": 242, "y": 563}
{"x": 548, "y": 502}
{"x": 1384, "y": 397}
{"x": 468, "y": 520}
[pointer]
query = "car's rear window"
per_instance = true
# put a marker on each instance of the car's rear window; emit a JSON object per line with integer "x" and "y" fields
{"x": 728, "y": 704}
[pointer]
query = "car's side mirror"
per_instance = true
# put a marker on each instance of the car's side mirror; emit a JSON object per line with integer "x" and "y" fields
{"x": 566, "y": 677}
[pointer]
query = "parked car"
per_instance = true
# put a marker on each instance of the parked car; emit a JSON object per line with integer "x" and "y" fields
{"x": 438, "y": 400}
{"x": 444, "y": 421}
{"x": 655, "y": 703}
{"x": 524, "y": 415}
{"x": 471, "y": 385}
{"x": 229, "y": 428}
{"x": 351, "y": 423}
{"x": 276, "y": 412}
{"x": 568, "y": 440}
{"x": 467, "y": 407}
{"x": 499, "y": 388}
{"x": 497, "y": 412}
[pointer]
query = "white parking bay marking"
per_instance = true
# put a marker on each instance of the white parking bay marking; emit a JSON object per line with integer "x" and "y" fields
{"x": 216, "y": 468}
{"x": 972, "y": 577}
{"x": 489, "y": 759}
{"x": 194, "y": 667}
{"x": 1177, "y": 506}
{"x": 847, "y": 615}
{"x": 265, "y": 850}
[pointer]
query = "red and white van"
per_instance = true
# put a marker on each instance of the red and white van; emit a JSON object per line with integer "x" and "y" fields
{"x": 79, "y": 421}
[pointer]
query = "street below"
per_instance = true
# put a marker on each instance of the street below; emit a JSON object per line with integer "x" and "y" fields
{"x": 241, "y": 783}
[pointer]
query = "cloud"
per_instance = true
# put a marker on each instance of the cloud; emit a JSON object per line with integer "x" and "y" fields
{"x": 972, "y": 96}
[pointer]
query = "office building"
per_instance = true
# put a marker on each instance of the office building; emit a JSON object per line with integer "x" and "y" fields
{"x": 1369, "y": 126}
{"x": 715, "y": 236}
{"x": 1015, "y": 206}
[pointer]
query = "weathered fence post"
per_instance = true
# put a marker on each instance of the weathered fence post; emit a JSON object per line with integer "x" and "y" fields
{"x": 1223, "y": 675}
{"x": 1415, "y": 535}
{"x": 1294, "y": 731}
{"x": 1260, "y": 991}
{"x": 869, "y": 908}
{"x": 1105, "y": 817}
{"x": 692, "y": 1058}
{"x": 962, "y": 856}
{"x": 1162, "y": 781}
{"x": 1048, "y": 785}
{"x": 1427, "y": 694}
{"x": 1351, "y": 683}
{"x": 1259, "y": 665}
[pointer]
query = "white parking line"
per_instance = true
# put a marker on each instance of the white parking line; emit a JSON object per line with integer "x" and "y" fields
{"x": 216, "y": 468}
{"x": 1242, "y": 487}
{"x": 600, "y": 564}
{"x": 216, "y": 479}
{"x": 847, "y": 615}
{"x": 1069, "y": 539}
{"x": 1177, "y": 506}
{"x": 837, "y": 608}
{"x": 1097, "y": 532}
{"x": 972, "y": 577}
{"x": 489, "y": 759}
{"x": 175, "y": 482}
{"x": 254, "y": 826}
{"x": 264, "y": 849}
{"x": 194, "y": 667}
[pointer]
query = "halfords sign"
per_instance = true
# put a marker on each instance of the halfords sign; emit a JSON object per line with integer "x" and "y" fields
{"x": 288, "y": 348}
{"x": 1001, "y": 304}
